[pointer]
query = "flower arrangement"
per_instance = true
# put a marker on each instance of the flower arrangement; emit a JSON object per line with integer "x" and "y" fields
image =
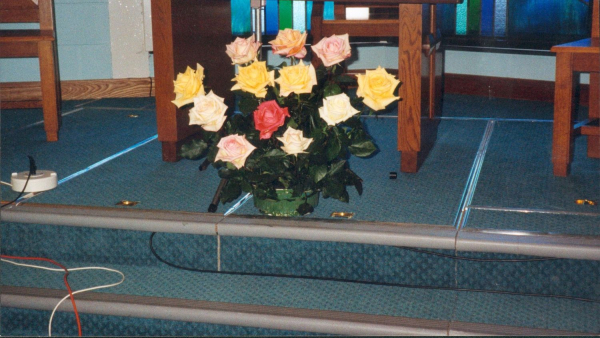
{"x": 296, "y": 127}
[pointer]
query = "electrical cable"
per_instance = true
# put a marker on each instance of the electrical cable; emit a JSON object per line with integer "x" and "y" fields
{"x": 332, "y": 279}
{"x": 6, "y": 183}
{"x": 20, "y": 194}
{"x": 75, "y": 292}
{"x": 64, "y": 278}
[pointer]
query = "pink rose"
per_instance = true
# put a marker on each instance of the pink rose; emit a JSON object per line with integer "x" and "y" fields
{"x": 289, "y": 42}
{"x": 234, "y": 149}
{"x": 242, "y": 51}
{"x": 268, "y": 117}
{"x": 333, "y": 50}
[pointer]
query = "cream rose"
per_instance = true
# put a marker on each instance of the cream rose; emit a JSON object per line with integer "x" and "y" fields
{"x": 254, "y": 79}
{"x": 289, "y": 42}
{"x": 377, "y": 88}
{"x": 243, "y": 50}
{"x": 298, "y": 79}
{"x": 333, "y": 50}
{"x": 188, "y": 85}
{"x": 208, "y": 112}
{"x": 336, "y": 109}
{"x": 234, "y": 149}
{"x": 294, "y": 142}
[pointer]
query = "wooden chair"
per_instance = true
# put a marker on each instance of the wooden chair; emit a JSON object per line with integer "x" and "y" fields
{"x": 572, "y": 58}
{"x": 383, "y": 22}
{"x": 39, "y": 43}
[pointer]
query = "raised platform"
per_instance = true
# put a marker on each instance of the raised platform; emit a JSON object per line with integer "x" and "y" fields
{"x": 485, "y": 191}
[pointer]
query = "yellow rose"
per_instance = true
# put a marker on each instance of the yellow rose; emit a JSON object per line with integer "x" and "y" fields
{"x": 289, "y": 42}
{"x": 294, "y": 142}
{"x": 188, "y": 85}
{"x": 254, "y": 79}
{"x": 336, "y": 109}
{"x": 377, "y": 88}
{"x": 297, "y": 79}
{"x": 208, "y": 112}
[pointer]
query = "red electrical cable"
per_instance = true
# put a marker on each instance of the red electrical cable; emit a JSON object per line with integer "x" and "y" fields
{"x": 65, "y": 279}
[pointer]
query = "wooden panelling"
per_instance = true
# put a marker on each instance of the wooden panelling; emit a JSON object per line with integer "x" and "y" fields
{"x": 78, "y": 90}
{"x": 498, "y": 87}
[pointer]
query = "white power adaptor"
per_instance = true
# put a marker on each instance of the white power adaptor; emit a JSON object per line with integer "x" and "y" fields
{"x": 42, "y": 180}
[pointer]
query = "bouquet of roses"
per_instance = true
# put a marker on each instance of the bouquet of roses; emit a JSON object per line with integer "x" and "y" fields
{"x": 295, "y": 127}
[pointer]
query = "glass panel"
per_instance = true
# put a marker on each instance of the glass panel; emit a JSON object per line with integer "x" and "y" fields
{"x": 328, "y": 11}
{"x": 299, "y": 14}
{"x": 309, "y": 7}
{"x": 272, "y": 17}
{"x": 461, "y": 18}
{"x": 548, "y": 17}
{"x": 285, "y": 14}
{"x": 241, "y": 17}
{"x": 474, "y": 17}
{"x": 500, "y": 18}
{"x": 487, "y": 17}
{"x": 446, "y": 19}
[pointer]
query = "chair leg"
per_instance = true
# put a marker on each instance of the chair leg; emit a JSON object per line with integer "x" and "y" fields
{"x": 50, "y": 92}
{"x": 593, "y": 141}
{"x": 562, "y": 135}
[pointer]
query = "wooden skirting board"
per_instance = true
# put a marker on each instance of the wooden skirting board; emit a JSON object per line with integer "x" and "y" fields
{"x": 28, "y": 94}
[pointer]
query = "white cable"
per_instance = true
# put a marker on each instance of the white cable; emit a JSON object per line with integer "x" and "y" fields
{"x": 5, "y": 183}
{"x": 74, "y": 292}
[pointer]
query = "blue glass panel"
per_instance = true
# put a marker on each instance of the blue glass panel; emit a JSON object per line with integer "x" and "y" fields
{"x": 446, "y": 15}
{"x": 328, "y": 11}
{"x": 309, "y": 5}
{"x": 487, "y": 17}
{"x": 548, "y": 17}
{"x": 299, "y": 15}
{"x": 461, "y": 18}
{"x": 241, "y": 17}
{"x": 500, "y": 18}
{"x": 272, "y": 17}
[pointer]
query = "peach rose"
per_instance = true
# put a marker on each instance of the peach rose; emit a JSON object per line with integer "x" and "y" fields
{"x": 188, "y": 85}
{"x": 298, "y": 79}
{"x": 254, "y": 79}
{"x": 336, "y": 109}
{"x": 333, "y": 50}
{"x": 268, "y": 117}
{"x": 234, "y": 149}
{"x": 208, "y": 112}
{"x": 289, "y": 42}
{"x": 377, "y": 88}
{"x": 294, "y": 142}
{"x": 242, "y": 51}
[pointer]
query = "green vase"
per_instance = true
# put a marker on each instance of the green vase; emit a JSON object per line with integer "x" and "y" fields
{"x": 285, "y": 204}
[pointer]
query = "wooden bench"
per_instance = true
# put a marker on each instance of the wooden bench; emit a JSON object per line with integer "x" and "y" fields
{"x": 40, "y": 43}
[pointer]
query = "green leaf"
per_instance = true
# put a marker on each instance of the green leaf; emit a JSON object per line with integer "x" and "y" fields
{"x": 193, "y": 150}
{"x": 331, "y": 89}
{"x": 247, "y": 104}
{"x": 336, "y": 167}
{"x": 362, "y": 149}
{"x": 318, "y": 172}
{"x": 345, "y": 79}
{"x": 334, "y": 146}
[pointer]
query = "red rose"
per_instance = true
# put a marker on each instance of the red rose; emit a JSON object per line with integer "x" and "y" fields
{"x": 268, "y": 117}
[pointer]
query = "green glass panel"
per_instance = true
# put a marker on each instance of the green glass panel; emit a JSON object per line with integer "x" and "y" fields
{"x": 285, "y": 14}
{"x": 241, "y": 18}
{"x": 474, "y": 17}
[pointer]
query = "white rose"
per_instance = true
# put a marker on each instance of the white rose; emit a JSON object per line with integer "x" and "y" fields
{"x": 336, "y": 109}
{"x": 294, "y": 142}
{"x": 208, "y": 112}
